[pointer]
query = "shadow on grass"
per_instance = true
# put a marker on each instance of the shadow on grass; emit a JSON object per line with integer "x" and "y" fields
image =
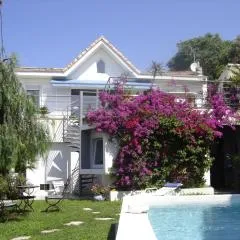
{"x": 112, "y": 232}
{"x": 11, "y": 217}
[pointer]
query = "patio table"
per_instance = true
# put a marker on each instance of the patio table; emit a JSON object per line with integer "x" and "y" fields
{"x": 26, "y": 196}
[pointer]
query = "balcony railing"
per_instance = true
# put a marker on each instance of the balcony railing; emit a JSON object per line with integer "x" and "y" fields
{"x": 70, "y": 105}
{"x": 79, "y": 105}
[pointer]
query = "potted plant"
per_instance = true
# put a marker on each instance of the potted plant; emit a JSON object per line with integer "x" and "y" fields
{"x": 43, "y": 111}
{"x": 100, "y": 191}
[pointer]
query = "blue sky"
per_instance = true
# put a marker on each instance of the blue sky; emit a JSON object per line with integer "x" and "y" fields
{"x": 52, "y": 32}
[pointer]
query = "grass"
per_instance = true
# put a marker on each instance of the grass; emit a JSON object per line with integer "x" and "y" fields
{"x": 32, "y": 223}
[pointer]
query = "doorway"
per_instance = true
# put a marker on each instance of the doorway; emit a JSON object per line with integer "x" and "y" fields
{"x": 225, "y": 171}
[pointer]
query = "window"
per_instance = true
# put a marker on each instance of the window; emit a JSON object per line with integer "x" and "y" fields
{"x": 97, "y": 151}
{"x": 35, "y": 96}
{"x": 100, "y": 66}
{"x": 89, "y": 100}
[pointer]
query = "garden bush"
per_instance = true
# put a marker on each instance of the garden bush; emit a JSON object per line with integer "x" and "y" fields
{"x": 161, "y": 137}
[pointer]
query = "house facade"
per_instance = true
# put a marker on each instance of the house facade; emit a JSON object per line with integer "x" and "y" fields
{"x": 64, "y": 95}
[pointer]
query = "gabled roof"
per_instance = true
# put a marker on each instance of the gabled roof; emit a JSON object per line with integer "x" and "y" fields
{"x": 101, "y": 41}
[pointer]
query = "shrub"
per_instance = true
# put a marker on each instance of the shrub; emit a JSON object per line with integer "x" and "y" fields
{"x": 3, "y": 187}
{"x": 160, "y": 138}
{"x": 98, "y": 189}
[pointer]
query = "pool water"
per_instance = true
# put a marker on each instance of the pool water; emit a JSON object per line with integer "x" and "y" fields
{"x": 196, "y": 222}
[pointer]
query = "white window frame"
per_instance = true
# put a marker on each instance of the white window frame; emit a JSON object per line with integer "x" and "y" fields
{"x": 94, "y": 138}
{"x": 101, "y": 66}
{"x": 33, "y": 95}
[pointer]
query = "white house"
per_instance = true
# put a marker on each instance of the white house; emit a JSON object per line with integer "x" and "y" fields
{"x": 77, "y": 150}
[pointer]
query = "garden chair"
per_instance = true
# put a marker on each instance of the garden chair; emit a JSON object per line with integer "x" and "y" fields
{"x": 58, "y": 193}
{"x": 167, "y": 189}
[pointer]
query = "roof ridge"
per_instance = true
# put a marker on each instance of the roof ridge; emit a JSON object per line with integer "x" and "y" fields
{"x": 81, "y": 54}
{"x": 106, "y": 41}
{"x": 121, "y": 55}
{"x": 103, "y": 39}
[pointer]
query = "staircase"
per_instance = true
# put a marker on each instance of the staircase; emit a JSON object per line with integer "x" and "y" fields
{"x": 72, "y": 130}
{"x": 72, "y": 136}
{"x": 85, "y": 183}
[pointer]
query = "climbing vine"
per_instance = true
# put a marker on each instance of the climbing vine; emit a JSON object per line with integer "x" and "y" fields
{"x": 160, "y": 137}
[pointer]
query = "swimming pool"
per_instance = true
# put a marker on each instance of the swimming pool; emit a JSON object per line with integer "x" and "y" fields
{"x": 222, "y": 211}
{"x": 212, "y": 218}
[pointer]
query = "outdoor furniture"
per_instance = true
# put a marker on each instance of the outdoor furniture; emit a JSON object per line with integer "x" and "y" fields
{"x": 6, "y": 205}
{"x": 26, "y": 197}
{"x": 168, "y": 188}
{"x": 56, "y": 195}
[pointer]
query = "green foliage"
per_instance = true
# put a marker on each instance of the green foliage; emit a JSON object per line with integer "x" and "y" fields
{"x": 13, "y": 181}
{"x": 3, "y": 187}
{"x": 22, "y": 137}
{"x": 210, "y": 50}
{"x": 234, "y": 54}
{"x": 8, "y": 186}
{"x": 43, "y": 111}
{"x": 235, "y": 79}
{"x": 182, "y": 159}
{"x": 98, "y": 189}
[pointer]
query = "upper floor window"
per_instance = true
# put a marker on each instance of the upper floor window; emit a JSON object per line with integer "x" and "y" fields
{"x": 35, "y": 96}
{"x": 101, "y": 66}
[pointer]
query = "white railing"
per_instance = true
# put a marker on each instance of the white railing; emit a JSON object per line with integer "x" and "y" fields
{"x": 70, "y": 105}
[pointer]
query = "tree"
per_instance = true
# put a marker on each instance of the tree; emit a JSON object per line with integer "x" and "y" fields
{"x": 22, "y": 136}
{"x": 210, "y": 50}
{"x": 234, "y": 54}
{"x": 156, "y": 69}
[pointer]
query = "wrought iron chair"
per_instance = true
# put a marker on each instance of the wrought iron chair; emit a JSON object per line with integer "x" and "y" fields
{"x": 58, "y": 193}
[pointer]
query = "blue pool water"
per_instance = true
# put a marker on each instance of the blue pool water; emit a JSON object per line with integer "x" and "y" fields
{"x": 196, "y": 222}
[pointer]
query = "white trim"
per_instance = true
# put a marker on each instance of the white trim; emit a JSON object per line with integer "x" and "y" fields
{"x": 82, "y": 59}
{"x": 40, "y": 74}
{"x": 96, "y": 135}
{"x": 169, "y": 77}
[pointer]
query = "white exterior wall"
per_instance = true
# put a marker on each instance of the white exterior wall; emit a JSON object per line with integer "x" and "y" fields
{"x": 60, "y": 160}
{"x": 36, "y": 176}
{"x": 57, "y": 100}
{"x": 55, "y": 166}
{"x": 88, "y": 70}
{"x": 111, "y": 150}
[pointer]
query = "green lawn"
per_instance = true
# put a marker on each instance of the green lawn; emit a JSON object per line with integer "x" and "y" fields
{"x": 32, "y": 223}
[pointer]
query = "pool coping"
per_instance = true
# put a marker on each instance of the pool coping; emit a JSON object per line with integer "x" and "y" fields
{"x": 134, "y": 222}
{"x": 134, "y": 225}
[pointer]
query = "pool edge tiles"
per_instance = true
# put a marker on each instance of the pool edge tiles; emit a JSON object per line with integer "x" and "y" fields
{"x": 134, "y": 222}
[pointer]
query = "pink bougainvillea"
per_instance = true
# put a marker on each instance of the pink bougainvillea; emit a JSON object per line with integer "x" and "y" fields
{"x": 160, "y": 137}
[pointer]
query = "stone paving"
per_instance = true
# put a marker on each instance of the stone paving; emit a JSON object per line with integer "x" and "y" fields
{"x": 103, "y": 219}
{"x": 21, "y": 238}
{"x": 87, "y": 209}
{"x": 73, "y": 223}
{"x": 50, "y": 231}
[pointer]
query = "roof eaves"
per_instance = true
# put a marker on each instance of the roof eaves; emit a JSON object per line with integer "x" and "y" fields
{"x": 39, "y": 69}
{"x": 82, "y": 54}
{"x": 120, "y": 54}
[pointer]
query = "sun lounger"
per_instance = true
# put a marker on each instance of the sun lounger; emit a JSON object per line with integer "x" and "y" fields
{"x": 167, "y": 189}
{"x": 138, "y": 205}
